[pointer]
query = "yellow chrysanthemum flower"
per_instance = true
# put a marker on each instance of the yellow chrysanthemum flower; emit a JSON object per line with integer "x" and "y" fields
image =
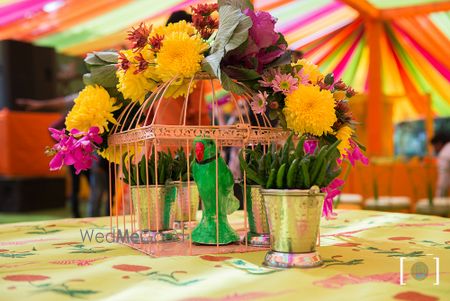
{"x": 180, "y": 55}
{"x": 116, "y": 156}
{"x": 129, "y": 54}
{"x": 181, "y": 26}
{"x": 93, "y": 107}
{"x": 310, "y": 70}
{"x": 134, "y": 86}
{"x": 110, "y": 155}
{"x": 181, "y": 88}
{"x": 344, "y": 134}
{"x": 150, "y": 71}
{"x": 309, "y": 110}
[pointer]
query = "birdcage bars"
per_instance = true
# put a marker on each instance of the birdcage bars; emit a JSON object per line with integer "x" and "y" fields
{"x": 134, "y": 131}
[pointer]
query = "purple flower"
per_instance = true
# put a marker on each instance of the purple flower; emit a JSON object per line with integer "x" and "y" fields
{"x": 76, "y": 149}
{"x": 262, "y": 33}
{"x": 265, "y": 57}
{"x": 331, "y": 191}
{"x": 310, "y": 146}
{"x": 259, "y": 102}
{"x": 262, "y": 44}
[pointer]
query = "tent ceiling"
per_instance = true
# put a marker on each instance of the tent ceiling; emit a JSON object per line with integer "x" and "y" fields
{"x": 333, "y": 33}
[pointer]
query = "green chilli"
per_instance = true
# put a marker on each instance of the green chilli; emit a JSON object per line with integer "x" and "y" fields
{"x": 318, "y": 163}
{"x": 271, "y": 180}
{"x": 281, "y": 176}
{"x": 292, "y": 173}
{"x": 306, "y": 178}
{"x": 299, "y": 150}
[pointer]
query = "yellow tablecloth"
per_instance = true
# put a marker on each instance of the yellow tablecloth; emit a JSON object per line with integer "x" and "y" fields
{"x": 362, "y": 251}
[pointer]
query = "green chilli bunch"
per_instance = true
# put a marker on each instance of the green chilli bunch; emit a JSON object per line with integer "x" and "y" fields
{"x": 180, "y": 164}
{"x": 290, "y": 167}
{"x": 143, "y": 173}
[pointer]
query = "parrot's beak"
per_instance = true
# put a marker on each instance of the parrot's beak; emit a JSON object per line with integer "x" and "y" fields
{"x": 199, "y": 151}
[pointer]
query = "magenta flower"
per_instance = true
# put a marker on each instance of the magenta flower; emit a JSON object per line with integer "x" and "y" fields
{"x": 284, "y": 83}
{"x": 57, "y": 134}
{"x": 262, "y": 33}
{"x": 331, "y": 191}
{"x": 310, "y": 146}
{"x": 355, "y": 154}
{"x": 263, "y": 45}
{"x": 76, "y": 149}
{"x": 259, "y": 102}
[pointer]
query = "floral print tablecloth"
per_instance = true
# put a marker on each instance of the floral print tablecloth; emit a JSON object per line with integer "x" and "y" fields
{"x": 362, "y": 251}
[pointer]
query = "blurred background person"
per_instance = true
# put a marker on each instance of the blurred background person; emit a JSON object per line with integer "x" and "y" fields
{"x": 441, "y": 144}
{"x": 97, "y": 175}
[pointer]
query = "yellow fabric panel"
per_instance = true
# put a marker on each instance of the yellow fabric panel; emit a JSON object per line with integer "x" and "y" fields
{"x": 361, "y": 250}
{"x": 392, "y": 82}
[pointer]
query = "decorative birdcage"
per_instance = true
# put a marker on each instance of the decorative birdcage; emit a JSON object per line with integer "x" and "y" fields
{"x": 153, "y": 206}
{"x": 168, "y": 164}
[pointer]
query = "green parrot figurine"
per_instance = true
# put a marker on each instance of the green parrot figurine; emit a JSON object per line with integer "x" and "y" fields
{"x": 204, "y": 172}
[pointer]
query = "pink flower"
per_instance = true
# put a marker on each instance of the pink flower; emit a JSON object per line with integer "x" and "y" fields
{"x": 75, "y": 149}
{"x": 310, "y": 146}
{"x": 331, "y": 191}
{"x": 355, "y": 154}
{"x": 259, "y": 102}
{"x": 267, "y": 77}
{"x": 302, "y": 77}
{"x": 284, "y": 83}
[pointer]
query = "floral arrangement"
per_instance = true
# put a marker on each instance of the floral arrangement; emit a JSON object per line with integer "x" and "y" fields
{"x": 239, "y": 46}
{"x": 170, "y": 54}
{"x": 315, "y": 107}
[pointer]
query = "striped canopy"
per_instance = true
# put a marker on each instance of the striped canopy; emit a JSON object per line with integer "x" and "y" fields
{"x": 407, "y": 41}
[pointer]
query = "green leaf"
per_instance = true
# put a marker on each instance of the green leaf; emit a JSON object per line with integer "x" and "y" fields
{"x": 273, "y": 114}
{"x": 233, "y": 31}
{"x": 241, "y": 74}
{"x": 283, "y": 60}
{"x": 329, "y": 79}
{"x": 240, "y": 33}
{"x": 87, "y": 79}
{"x": 104, "y": 75}
{"x": 111, "y": 57}
{"x": 92, "y": 59}
{"x": 241, "y": 4}
{"x": 229, "y": 85}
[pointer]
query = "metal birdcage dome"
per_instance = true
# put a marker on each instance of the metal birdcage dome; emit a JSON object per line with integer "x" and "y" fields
{"x": 141, "y": 130}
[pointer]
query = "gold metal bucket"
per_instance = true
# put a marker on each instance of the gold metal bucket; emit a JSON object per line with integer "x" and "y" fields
{"x": 154, "y": 209}
{"x": 187, "y": 201}
{"x": 258, "y": 235}
{"x": 294, "y": 220}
